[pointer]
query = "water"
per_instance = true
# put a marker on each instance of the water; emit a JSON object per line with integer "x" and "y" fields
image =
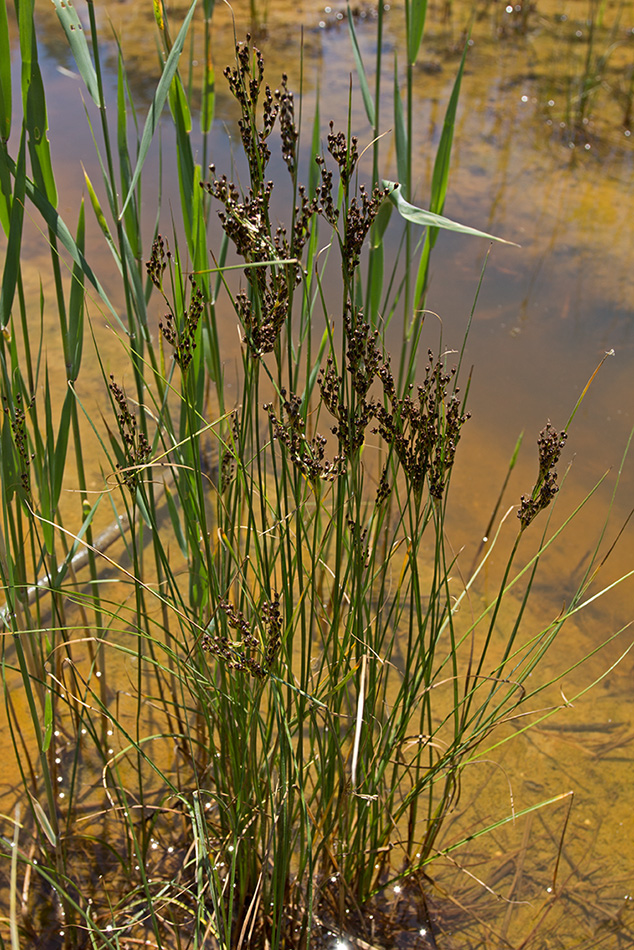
{"x": 547, "y": 314}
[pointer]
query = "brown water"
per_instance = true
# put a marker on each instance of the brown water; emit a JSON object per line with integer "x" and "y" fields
{"x": 546, "y": 315}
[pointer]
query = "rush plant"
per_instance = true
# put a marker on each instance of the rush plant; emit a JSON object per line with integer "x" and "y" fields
{"x": 246, "y": 705}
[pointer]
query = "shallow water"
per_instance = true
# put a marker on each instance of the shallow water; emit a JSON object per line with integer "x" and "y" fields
{"x": 546, "y": 315}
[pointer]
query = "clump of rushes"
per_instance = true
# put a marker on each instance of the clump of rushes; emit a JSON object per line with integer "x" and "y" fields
{"x": 313, "y": 740}
{"x": 137, "y": 447}
{"x": 550, "y": 444}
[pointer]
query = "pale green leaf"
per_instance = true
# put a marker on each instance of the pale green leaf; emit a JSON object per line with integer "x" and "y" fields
{"x": 69, "y": 18}
{"x": 427, "y": 219}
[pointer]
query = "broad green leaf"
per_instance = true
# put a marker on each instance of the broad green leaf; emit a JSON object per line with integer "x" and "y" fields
{"x": 76, "y": 37}
{"x": 208, "y": 92}
{"x": 135, "y": 277}
{"x": 158, "y": 101}
{"x": 179, "y": 106}
{"x": 61, "y": 448}
{"x": 363, "y": 82}
{"x": 400, "y": 132}
{"x": 428, "y": 219}
{"x": 181, "y": 115}
{"x": 416, "y": 11}
{"x": 200, "y": 255}
{"x": 6, "y": 191}
{"x": 76, "y": 305}
{"x": 25, "y": 26}
{"x": 37, "y": 127}
{"x": 12, "y": 258}
{"x": 5, "y": 76}
{"x": 131, "y": 217}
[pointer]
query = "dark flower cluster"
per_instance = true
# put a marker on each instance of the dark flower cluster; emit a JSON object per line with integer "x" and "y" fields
{"x": 288, "y": 129}
{"x": 550, "y": 444}
{"x": 183, "y": 339}
{"x": 307, "y": 455}
{"x": 359, "y": 217}
{"x": 325, "y": 203}
{"x": 424, "y": 430}
{"x": 241, "y": 654}
{"x": 345, "y": 154}
{"x": 137, "y": 447}
{"x": 247, "y": 223}
{"x": 361, "y": 211}
{"x": 384, "y": 490}
{"x": 17, "y": 421}
{"x": 245, "y": 83}
{"x": 364, "y": 360}
{"x": 157, "y": 262}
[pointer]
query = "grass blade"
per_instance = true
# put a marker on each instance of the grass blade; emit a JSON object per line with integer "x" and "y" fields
{"x": 158, "y": 101}
{"x": 5, "y": 75}
{"x": 363, "y": 82}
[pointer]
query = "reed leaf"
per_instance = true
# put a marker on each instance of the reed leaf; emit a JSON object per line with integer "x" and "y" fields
{"x": 14, "y": 245}
{"x": 73, "y": 28}
{"x": 415, "y": 12}
{"x": 158, "y": 101}
{"x": 76, "y": 306}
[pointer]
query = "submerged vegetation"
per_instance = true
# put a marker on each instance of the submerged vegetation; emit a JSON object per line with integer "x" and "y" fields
{"x": 245, "y": 708}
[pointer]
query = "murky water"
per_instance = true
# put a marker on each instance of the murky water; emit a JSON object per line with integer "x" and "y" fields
{"x": 536, "y": 165}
